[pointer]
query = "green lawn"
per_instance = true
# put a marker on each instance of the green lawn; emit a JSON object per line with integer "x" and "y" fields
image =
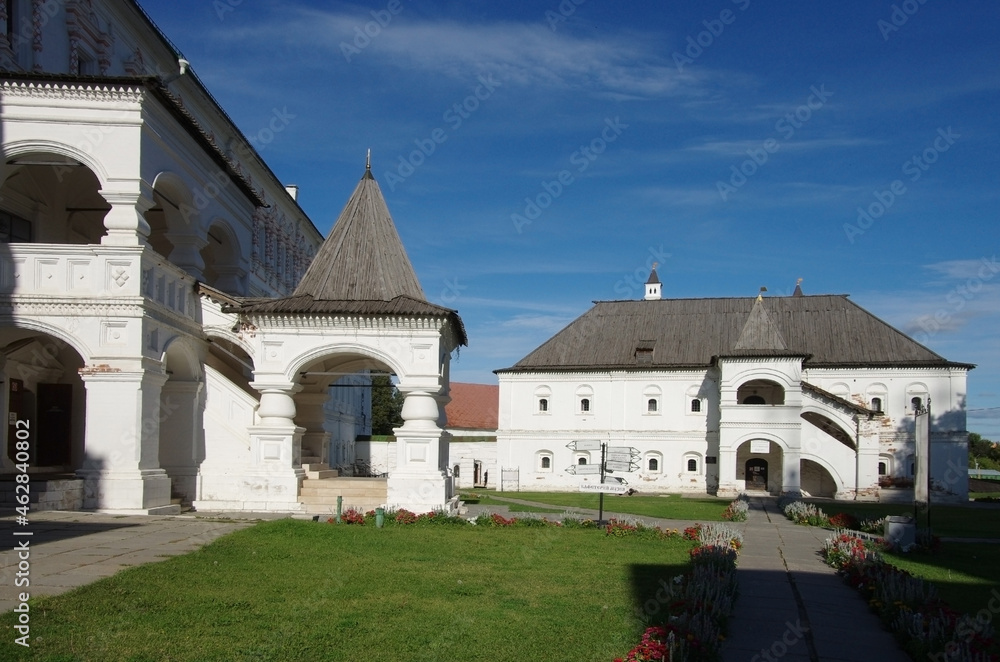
{"x": 291, "y": 590}
{"x": 966, "y": 574}
{"x": 668, "y": 507}
{"x": 946, "y": 521}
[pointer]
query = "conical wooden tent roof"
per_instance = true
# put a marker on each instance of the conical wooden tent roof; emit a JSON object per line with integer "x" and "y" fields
{"x": 363, "y": 258}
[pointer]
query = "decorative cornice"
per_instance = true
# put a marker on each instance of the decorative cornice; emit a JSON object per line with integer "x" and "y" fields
{"x": 74, "y": 92}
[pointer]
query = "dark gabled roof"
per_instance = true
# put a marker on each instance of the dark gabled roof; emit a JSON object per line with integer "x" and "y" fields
{"x": 363, "y": 258}
{"x": 826, "y": 330}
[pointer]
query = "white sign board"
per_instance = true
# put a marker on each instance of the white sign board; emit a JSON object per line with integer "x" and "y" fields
{"x": 584, "y": 469}
{"x": 922, "y": 428}
{"x": 614, "y": 465}
{"x": 615, "y": 488}
{"x": 762, "y": 446}
{"x": 618, "y": 457}
{"x": 585, "y": 445}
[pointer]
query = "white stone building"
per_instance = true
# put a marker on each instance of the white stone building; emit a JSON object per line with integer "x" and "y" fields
{"x": 789, "y": 395}
{"x": 159, "y": 330}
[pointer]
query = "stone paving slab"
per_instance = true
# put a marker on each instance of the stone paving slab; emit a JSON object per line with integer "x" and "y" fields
{"x": 70, "y": 549}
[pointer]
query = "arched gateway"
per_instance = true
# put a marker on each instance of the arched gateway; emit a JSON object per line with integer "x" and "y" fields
{"x": 359, "y": 307}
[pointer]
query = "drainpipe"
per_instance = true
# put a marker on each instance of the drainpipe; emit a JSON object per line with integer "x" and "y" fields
{"x": 857, "y": 456}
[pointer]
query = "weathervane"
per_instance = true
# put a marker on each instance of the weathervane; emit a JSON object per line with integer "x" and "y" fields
{"x": 368, "y": 160}
{"x": 760, "y": 295}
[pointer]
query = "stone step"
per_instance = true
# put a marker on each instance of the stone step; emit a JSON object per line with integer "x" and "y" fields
{"x": 321, "y": 474}
{"x": 319, "y": 496}
{"x": 310, "y": 459}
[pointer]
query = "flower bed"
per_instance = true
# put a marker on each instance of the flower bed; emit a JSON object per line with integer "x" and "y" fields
{"x": 737, "y": 510}
{"x": 698, "y": 602}
{"x": 925, "y": 626}
{"x": 806, "y": 513}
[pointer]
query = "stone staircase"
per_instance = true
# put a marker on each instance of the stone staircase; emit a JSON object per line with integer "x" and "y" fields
{"x": 47, "y": 492}
{"x": 323, "y": 485}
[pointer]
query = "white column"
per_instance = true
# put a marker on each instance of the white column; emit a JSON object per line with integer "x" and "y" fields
{"x": 121, "y": 454}
{"x": 791, "y": 473}
{"x": 273, "y": 480}
{"x": 727, "y": 473}
{"x": 125, "y": 223}
{"x": 866, "y": 471}
{"x": 187, "y": 252}
{"x": 182, "y": 431}
{"x": 419, "y": 483}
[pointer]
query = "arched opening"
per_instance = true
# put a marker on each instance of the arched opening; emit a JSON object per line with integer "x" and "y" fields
{"x": 760, "y": 392}
{"x": 759, "y": 464}
{"x": 42, "y": 385}
{"x": 181, "y": 421}
{"x": 334, "y": 406}
{"x": 830, "y": 427}
{"x": 51, "y": 199}
{"x": 221, "y": 256}
{"x": 816, "y": 480}
{"x": 651, "y": 406}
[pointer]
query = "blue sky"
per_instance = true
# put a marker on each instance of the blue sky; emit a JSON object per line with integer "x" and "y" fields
{"x": 537, "y": 156}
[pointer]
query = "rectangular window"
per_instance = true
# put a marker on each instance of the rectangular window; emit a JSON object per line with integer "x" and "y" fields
{"x": 14, "y": 229}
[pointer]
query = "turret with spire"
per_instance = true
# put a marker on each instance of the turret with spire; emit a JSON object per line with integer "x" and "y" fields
{"x": 653, "y": 292}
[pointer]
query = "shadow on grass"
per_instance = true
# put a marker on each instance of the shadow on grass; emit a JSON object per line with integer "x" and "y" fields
{"x": 649, "y": 595}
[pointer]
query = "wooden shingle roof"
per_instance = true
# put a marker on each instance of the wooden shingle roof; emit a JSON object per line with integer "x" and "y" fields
{"x": 363, "y": 258}
{"x": 826, "y": 330}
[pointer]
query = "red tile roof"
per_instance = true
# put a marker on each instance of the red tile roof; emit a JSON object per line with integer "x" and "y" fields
{"x": 473, "y": 406}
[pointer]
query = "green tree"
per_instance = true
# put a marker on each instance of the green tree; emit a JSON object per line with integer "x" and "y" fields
{"x": 984, "y": 452}
{"x": 387, "y": 405}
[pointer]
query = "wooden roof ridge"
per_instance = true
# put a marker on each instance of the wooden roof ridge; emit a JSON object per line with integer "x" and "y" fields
{"x": 861, "y": 409}
{"x": 760, "y": 332}
{"x": 363, "y": 258}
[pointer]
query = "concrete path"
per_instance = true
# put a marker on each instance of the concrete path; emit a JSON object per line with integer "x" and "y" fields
{"x": 69, "y": 549}
{"x": 792, "y": 606}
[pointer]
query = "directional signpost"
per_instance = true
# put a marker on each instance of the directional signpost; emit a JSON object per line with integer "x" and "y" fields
{"x": 613, "y": 458}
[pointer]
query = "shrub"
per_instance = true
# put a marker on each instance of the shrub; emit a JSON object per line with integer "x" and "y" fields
{"x": 737, "y": 510}
{"x": 806, "y": 513}
{"x": 844, "y": 521}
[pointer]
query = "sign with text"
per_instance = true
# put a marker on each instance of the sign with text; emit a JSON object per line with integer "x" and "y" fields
{"x": 762, "y": 446}
{"x": 583, "y": 469}
{"x": 604, "y": 488}
{"x": 615, "y": 465}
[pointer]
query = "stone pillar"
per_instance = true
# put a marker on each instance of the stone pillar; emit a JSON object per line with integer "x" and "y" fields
{"x": 418, "y": 482}
{"x": 121, "y": 466}
{"x": 182, "y": 432}
{"x": 311, "y": 416}
{"x": 125, "y": 223}
{"x": 728, "y": 487}
{"x": 791, "y": 473}
{"x": 230, "y": 279}
{"x": 275, "y": 474}
{"x": 867, "y": 488}
{"x": 187, "y": 252}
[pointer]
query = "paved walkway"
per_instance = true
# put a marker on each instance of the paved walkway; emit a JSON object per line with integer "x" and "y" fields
{"x": 69, "y": 549}
{"x": 792, "y": 606}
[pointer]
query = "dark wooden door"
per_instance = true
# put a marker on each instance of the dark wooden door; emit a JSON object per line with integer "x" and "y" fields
{"x": 55, "y": 424}
{"x": 756, "y": 474}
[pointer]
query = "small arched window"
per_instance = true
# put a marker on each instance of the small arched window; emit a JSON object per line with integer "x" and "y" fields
{"x": 917, "y": 404}
{"x": 877, "y": 404}
{"x": 585, "y": 405}
{"x": 654, "y": 464}
{"x": 696, "y": 405}
{"x": 651, "y": 405}
{"x": 546, "y": 462}
{"x": 692, "y": 465}
{"x": 883, "y": 468}
{"x": 455, "y": 471}
{"x": 543, "y": 405}
{"x": 754, "y": 400}
{"x": 581, "y": 460}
